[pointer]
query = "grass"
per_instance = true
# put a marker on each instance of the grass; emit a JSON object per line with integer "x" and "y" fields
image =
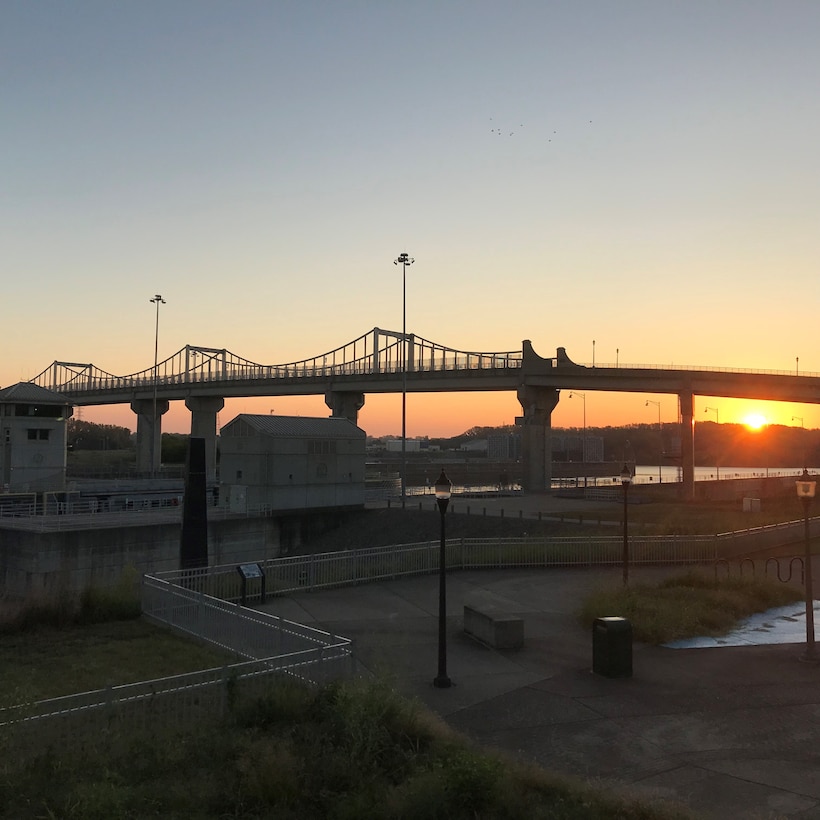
{"x": 345, "y": 751}
{"x": 693, "y": 604}
{"x": 50, "y": 648}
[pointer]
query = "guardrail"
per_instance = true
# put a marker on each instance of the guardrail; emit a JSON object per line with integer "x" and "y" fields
{"x": 271, "y": 646}
{"x": 351, "y": 567}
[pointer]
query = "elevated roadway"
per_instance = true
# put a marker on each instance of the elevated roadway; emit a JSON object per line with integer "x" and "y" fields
{"x": 384, "y": 361}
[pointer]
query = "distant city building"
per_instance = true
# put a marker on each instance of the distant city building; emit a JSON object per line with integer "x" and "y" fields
{"x": 413, "y": 445}
{"x": 571, "y": 448}
{"x": 478, "y": 445}
{"x": 32, "y": 438}
{"x": 504, "y": 447}
{"x": 291, "y": 463}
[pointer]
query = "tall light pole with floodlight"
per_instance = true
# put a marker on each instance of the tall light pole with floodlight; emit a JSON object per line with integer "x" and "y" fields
{"x": 660, "y": 439}
{"x": 717, "y": 421}
{"x": 443, "y": 490}
{"x": 583, "y": 397}
{"x": 806, "y": 486}
{"x": 157, "y": 300}
{"x": 404, "y": 260}
{"x": 626, "y": 480}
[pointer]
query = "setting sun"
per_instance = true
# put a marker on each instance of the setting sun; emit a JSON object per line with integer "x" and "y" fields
{"x": 755, "y": 421}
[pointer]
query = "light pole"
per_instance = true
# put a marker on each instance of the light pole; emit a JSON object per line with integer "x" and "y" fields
{"x": 404, "y": 260}
{"x": 593, "y": 352}
{"x": 157, "y": 300}
{"x": 443, "y": 490}
{"x": 806, "y": 486}
{"x": 803, "y": 436}
{"x": 626, "y": 480}
{"x": 660, "y": 439}
{"x": 717, "y": 421}
{"x": 584, "y": 438}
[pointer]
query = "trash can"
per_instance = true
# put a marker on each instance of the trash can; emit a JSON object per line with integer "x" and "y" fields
{"x": 612, "y": 647}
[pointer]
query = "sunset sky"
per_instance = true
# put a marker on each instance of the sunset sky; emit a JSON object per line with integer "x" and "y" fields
{"x": 634, "y": 177}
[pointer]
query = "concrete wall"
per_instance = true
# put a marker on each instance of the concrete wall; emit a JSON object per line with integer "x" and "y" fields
{"x": 36, "y": 563}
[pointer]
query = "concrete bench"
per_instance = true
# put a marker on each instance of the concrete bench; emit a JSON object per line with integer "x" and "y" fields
{"x": 487, "y": 618}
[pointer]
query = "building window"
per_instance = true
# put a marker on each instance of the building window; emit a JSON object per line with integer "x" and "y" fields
{"x": 238, "y": 474}
{"x": 43, "y": 435}
{"x": 322, "y": 447}
{"x": 37, "y": 434}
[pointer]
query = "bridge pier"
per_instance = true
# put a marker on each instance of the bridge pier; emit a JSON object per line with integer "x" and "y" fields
{"x": 345, "y": 403}
{"x": 687, "y": 443}
{"x": 203, "y": 425}
{"x": 149, "y": 433}
{"x": 536, "y": 447}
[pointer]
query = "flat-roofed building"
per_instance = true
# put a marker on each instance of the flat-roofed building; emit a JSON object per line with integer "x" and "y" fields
{"x": 283, "y": 463}
{"x": 32, "y": 438}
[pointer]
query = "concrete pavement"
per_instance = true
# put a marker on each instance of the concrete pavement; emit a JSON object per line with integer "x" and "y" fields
{"x": 730, "y": 731}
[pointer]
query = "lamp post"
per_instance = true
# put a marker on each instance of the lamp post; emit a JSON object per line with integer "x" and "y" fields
{"x": 717, "y": 421}
{"x": 583, "y": 396}
{"x": 404, "y": 260}
{"x": 157, "y": 300}
{"x": 806, "y": 486}
{"x": 660, "y": 439}
{"x": 626, "y": 480}
{"x": 443, "y": 490}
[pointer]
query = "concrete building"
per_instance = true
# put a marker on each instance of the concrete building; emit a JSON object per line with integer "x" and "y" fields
{"x": 32, "y": 439}
{"x": 286, "y": 463}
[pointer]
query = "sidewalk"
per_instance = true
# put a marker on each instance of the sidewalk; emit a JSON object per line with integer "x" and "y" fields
{"x": 730, "y": 731}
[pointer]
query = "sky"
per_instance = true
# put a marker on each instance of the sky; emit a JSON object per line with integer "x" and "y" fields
{"x": 635, "y": 181}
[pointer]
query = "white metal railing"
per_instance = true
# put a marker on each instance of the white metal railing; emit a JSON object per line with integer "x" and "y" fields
{"x": 349, "y": 567}
{"x": 271, "y": 646}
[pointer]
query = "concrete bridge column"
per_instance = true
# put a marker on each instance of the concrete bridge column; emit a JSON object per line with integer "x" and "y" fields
{"x": 345, "y": 403}
{"x": 203, "y": 425}
{"x": 149, "y": 433}
{"x": 687, "y": 444}
{"x": 536, "y": 447}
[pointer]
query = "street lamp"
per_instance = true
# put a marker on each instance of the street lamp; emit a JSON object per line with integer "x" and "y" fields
{"x": 717, "y": 421}
{"x": 626, "y": 480}
{"x": 660, "y": 439}
{"x": 404, "y": 260}
{"x": 584, "y": 439}
{"x": 806, "y": 486}
{"x": 157, "y": 300}
{"x": 443, "y": 490}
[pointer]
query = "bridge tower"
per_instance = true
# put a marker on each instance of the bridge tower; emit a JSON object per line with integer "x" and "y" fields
{"x": 345, "y": 403}
{"x": 204, "y": 410}
{"x": 687, "y": 443}
{"x": 149, "y": 433}
{"x": 536, "y": 447}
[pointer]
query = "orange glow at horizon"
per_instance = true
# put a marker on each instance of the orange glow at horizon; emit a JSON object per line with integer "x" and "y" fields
{"x": 755, "y": 421}
{"x": 450, "y": 414}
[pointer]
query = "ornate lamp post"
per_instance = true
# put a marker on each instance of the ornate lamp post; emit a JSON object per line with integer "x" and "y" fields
{"x": 443, "y": 490}
{"x": 806, "y": 486}
{"x": 660, "y": 439}
{"x": 404, "y": 260}
{"x": 717, "y": 421}
{"x": 583, "y": 397}
{"x": 158, "y": 300}
{"x": 626, "y": 480}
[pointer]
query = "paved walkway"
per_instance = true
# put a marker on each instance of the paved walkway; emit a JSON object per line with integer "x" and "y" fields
{"x": 730, "y": 731}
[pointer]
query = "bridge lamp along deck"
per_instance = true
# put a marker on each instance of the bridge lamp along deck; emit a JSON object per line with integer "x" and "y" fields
{"x": 404, "y": 260}
{"x": 443, "y": 489}
{"x": 806, "y": 486}
{"x": 157, "y": 300}
{"x": 626, "y": 480}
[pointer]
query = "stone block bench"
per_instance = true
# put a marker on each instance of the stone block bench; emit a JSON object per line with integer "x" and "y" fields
{"x": 488, "y": 618}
